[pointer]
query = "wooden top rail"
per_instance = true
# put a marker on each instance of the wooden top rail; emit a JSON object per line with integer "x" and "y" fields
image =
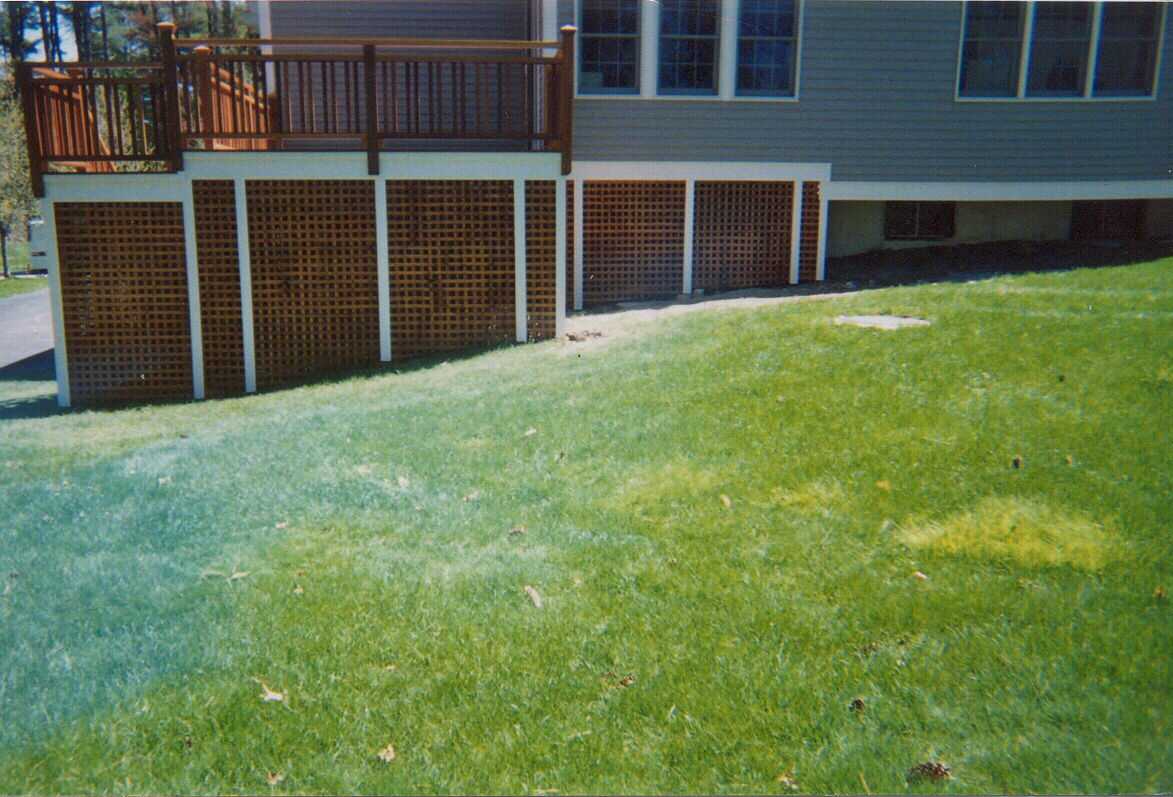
{"x": 445, "y": 44}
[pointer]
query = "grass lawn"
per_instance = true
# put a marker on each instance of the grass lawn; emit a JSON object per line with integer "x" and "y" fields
{"x": 18, "y": 263}
{"x": 738, "y": 523}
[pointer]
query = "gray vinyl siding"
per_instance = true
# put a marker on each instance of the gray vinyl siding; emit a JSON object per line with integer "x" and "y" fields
{"x": 877, "y": 102}
{"x": 435, "y": 19}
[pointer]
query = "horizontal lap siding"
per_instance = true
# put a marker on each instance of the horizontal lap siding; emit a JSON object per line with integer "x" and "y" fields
{"x": 877, "y": 102}
{"x": 124, "y": 300}
{"x": 314, "y": 277}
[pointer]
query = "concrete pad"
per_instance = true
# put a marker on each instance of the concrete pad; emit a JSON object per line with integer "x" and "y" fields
{"x": 880, "y": 321}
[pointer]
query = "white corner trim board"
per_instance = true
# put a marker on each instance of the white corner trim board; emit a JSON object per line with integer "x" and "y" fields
{"x": 60, "y": 356}
{"x": 999, "y": 192}
{"x": 689, "y": 222}
{"x": 579, "y": 204}
{"x": 795, "y": 230}
{"x": 520, "y": 309}
{"x": 195, "y": 317}
{"x": 383, "y": 261}
{"x": 560, "y": 257}
{"x": 244, "y": 258}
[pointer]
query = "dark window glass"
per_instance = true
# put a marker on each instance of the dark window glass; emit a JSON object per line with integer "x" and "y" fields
{"x": 919, "y": 221}
{"x": 609, "y": 47}
{"x": 767, "y": 48}
{"x": 991, "y": 50}
{"x": 1059, "y": 49}
{"x": 688, "y": 46}
{"x": 1127, "y": 56}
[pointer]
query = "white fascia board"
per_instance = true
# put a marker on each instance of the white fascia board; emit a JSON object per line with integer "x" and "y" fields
{"x": 116, "y": 187}
{"x": 392, "y": 165}
{"x": 700, "y": 170}
{"x": 999, "y": 192}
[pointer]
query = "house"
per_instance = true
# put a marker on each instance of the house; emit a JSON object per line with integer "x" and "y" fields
{"x": 373, "y": 181}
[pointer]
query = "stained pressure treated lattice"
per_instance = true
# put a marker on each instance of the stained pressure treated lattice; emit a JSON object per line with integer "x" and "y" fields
{"x": 741, "y": 235}
{"x": 633, "y": 240}
{"x": 452, "y": 264}
{"x": 570, "y": 245}
{"x": 124, "y": 300}
{"x": 219, "y": 269}
{"x": 540, "y": 248}
{"x": 808, "y": 242}
{"x": 314, "y": 277}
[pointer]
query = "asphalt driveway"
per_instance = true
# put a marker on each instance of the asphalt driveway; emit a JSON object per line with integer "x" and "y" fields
{"x": 26, "y": 327}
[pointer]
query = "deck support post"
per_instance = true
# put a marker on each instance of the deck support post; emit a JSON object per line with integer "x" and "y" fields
{"x": 579, "y": 202}
{"x": 689, "y": 215}
{"x": 383, "y": 259}
{"x": 372, "y": 108}
{"x": 566, "y": 115}
{"x": 244, "y": 259}
{"x": 560, "y": 257}
{"x": 795, "y": 229}
{"x": 24, "y": 84}
{"x": 56, "y": 303}
{"x": 195, "y": 317}
{"x": 821, "y": 257}
{"x": 520, "y": 293}
{"x": 171, "y": 95}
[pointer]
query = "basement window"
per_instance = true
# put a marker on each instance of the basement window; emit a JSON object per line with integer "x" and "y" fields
{"x": 919, "y": 221}
{"x": 1116, "y": 220}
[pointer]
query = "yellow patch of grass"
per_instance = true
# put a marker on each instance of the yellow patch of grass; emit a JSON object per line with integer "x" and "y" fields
{"x": 811, "y": 497}
{"x": 673, "y": 481}
{"x": 1028, "y": 532}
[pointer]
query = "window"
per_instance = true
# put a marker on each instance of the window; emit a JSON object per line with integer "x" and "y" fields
{"x": 1043, "y": 49}
{"x": 918, "y": 221}
{"x": 767, "y": 48}
{"x": 1119, "y": 220}
{"x": 992, "y": 46}
{"x": 609, "y": 47}
{"x": 1059, "y": 49}
{"x": 689, "y": 41}
{"x": 1128, "y": 49}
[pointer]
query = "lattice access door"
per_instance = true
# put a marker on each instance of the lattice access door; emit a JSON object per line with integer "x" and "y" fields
{"x": 741, "y": 235}
{"x": 452, "y": 264}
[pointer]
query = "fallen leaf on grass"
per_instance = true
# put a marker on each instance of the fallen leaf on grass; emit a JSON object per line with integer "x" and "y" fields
{"x": 627, "y": 680}
{"x": 530, "y": 432}
{"x": 884, "y": 485}
{"x": 787, "y": 781}
{"x": 1070, "y": 460}
{"x": 274, "y": 778}
{"x": 363, "y": 470}
{"x": 282, "y": 525}
{"x": 387, "y": 754}
{"x": 919, "y": 576}
{"x": 545, "y": 791}
{"x": 1016, "y": 463}
{"x": 297, "y": 590}
{"x": 237, "y": 575}
{"x": 929, "y": 770}
{"x": 164, "y": 480}
{"x": 474, "y": 495}
{"x": 403, "y": 482}
{"x": 533, "y": 596}
{"x": 1159, "y": 593}
{"x": 517, "y": 530}
{"x": 726, "y": 501}
{"x": 857, "y": 705}
{"x": 269, "y": 696}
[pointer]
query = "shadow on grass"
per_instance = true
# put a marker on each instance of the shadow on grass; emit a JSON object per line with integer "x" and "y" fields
{"x": 37, "y": 368}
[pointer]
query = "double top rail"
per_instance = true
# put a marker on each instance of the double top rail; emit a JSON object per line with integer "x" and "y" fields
{"x": 298, "y": 93}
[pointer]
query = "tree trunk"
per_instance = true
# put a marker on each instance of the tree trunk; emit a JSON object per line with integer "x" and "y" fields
{"x": 105, "y": 32}
{"x": 4, "y": 248}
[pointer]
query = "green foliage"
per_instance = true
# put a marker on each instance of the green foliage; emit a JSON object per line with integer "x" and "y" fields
{"x": 711, "y": 509}
{"x": 16, "y": 197}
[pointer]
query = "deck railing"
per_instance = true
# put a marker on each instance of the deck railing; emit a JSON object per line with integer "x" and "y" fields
{"x": 332, "y": 94}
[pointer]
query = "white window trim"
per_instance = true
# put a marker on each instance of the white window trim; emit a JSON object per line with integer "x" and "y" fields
{"x": 1093, "y": 58}
{"x": 649, "y": 58}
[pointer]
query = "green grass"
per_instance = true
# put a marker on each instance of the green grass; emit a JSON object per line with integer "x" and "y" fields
{"x": 18, "y": 263}
{"x": 730, "y": 508}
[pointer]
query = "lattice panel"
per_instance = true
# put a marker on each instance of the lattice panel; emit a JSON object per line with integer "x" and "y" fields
{"x": 452, "y": 264}
{"x": 741, "y": 235}
{"x": 314, "y": 277}
{"x": 540, "y": 250}
{"x": 570, "y": 245}
{"x": 124, "y": 296}
{"x": 808, "y": 241}
{"x": 215, "y": 221}
{"x": 633, "y": 240}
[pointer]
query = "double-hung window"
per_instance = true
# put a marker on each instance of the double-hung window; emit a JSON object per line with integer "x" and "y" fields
{"x": 1059, "y": 50}
{"x": 767, "y": 48}
{"x": 689, "y": 46}
{"x": 609, "y": 43}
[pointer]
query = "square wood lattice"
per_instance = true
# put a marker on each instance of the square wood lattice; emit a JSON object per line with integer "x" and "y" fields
{"x": 219, "y": 266}
{"x": 314, "y": 277}
{"x": 633, "y": 240}
{"x": 808, "y": 242}
{"x": 452, "y": 264}
{"x": 124, "y": 300}
{"x": 741, "y": 235}
{"x": 541, "y": 235}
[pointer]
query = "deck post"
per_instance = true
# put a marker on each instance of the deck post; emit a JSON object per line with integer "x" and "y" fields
{"x": 520, "y": 292}
{"x": 170, "y": 94}
{"x": 24, "y": 83}
{"x": 195, "y": 316}
{"x": 560, "y": 257}
{"x": 579, "y": 204}
{"x": 368, "y": 58}
{"x": 566, "y": 117}
{"x": 795, "y": 229}
{"x": 689, "y": 215}
{"x": 203, "y": 78}
{"x": 383, "y": 264}
{"x": 56, "y": 303}
{"x": 244, "y": 259}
